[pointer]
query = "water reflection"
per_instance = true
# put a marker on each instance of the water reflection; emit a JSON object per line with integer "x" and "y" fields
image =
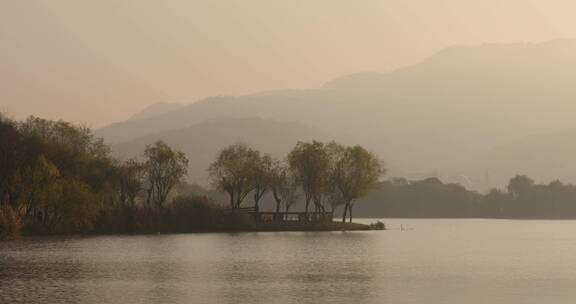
{"x": 439, "y": 261}
{"x": 208, "y": 268}
{"x": 302, "y": 266}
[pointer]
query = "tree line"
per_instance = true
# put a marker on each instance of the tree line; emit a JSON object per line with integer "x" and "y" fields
{"x": 56, "y": 177}
{"x": 521, "y": 198}
{"x": 324, "y": 176}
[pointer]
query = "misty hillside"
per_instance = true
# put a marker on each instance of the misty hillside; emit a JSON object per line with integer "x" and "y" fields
{"x": 444, "y": 115}
{"x": 155, "y": 109}
{"x": 201, "y": 142}
{"x": 547, "y": 156}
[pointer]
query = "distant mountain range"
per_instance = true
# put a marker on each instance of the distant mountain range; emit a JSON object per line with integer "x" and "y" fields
{"x": 202, "y": 141}
{"x": 466, "y": 111}
{"x": 155, "y": 110}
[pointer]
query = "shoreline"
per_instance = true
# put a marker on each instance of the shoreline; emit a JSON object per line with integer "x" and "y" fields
{"x": 332, "y": 227}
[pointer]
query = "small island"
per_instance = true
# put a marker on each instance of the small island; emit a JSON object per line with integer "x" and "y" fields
{"x": 58, "y": 178}
{"x": 302, "y": 221}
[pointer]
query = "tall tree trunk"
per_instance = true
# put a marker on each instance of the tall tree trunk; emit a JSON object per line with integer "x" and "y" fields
{"x": 318, "y": 204}
{"x": 231, "y": 199}
{"x": 277, "y": 198}
{"x": 256, "y": 198}
{"x": 350, "y": 211}
{"x": 149, "y": 197}
{"x": 345, "y": 211}
{"x": 256, "y": 207}
{"x": 238, "y": 201}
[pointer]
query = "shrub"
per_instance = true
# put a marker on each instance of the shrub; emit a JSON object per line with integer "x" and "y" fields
{"x": 9, "y": 223}
{"x": 184, "y": 214}
{"x": 196, "y": 213}
{"x": 119, "y": 218}
{"x": 378, "y": 226}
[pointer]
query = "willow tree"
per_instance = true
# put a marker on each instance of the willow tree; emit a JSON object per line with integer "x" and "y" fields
{"x": 164, "y": 168}
{"x": 520, "y": 185}
{"x": 356, "y": 172}
{"x": 130, "y": 177}
{"x": 284, "y": 187}
{"x": 233, "y": 172}
{"x": 262, "y": 178}
{"x": 10, "y": 140}
{"x": 310, "y": 164}
{"x": 333, "y": 195}
{"x": 35, "y": 185}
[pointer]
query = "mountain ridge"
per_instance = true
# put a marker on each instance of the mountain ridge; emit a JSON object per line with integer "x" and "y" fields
{"x": 441, "y": 114}
{"x": 202, "y": 141}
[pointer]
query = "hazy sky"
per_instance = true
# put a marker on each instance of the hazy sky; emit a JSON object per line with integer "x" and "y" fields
{"x": 101, "y": 61}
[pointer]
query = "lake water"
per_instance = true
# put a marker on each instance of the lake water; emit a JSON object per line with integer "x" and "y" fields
{"x": 429, "y": 261}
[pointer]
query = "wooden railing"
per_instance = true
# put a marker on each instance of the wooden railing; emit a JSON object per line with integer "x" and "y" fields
{"x": 286, "y": 217}
{"x": 293, "y": 217}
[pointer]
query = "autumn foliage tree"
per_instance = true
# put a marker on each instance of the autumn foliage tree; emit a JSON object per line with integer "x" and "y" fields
{"x": 165, "y": 168}
{"x": 310, "y": 164}
{"x": 130, "y": 178}
{"x": 233, "y": 172}
{"x": 56, "y": 174}
{"x": 356, "y": 172}
{"x": 262, "y": 177}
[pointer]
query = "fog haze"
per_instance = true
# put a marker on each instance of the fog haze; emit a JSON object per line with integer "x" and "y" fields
{"x": 467, "y": 91}
{"x": 287, "y": 151}
{"x": 100, "y": 62}
{"x": 477, "y": 115}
